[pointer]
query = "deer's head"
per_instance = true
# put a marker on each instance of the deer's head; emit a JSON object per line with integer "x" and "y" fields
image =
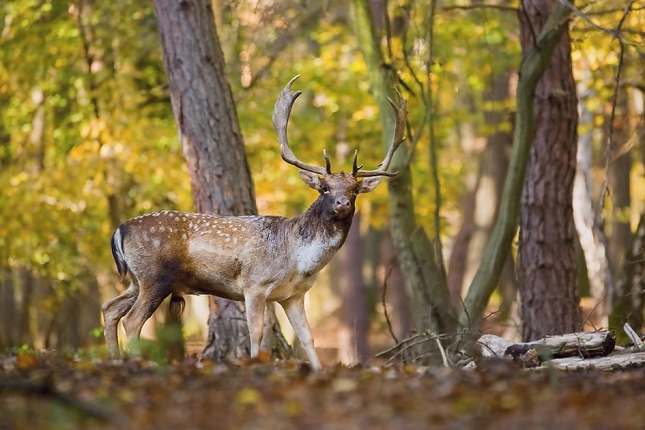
{"x": 338, "y": 190}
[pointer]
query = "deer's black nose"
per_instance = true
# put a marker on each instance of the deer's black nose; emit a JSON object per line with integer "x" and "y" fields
{"x": 342, "y": 206}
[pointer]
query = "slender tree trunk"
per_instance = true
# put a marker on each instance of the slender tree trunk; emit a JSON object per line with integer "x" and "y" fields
{"x": 457, "y": 265}
{"x": 347, "y": 271}
{"x": 629, "y": 300}
{"x": 629, "y": 295}
{"x": 619, "y": 181}
{"x": 547, "y": 260}
{"x": 393, "y": 280}
{"x": 24, "y": 281}
{"x": 592, "y": 238}
{"x": 8, "y": 309}
{"x": 211, "y": 141}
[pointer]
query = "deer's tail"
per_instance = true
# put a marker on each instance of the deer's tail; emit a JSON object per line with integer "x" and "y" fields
{"x": 177, "y": 304}
{"x": 117, "y": 253}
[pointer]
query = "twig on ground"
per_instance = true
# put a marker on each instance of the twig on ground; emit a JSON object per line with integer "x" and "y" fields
{"x": 633, "y": 336}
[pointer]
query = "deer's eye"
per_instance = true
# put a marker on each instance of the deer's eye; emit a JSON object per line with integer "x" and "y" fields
{"x": 324, "y": 189}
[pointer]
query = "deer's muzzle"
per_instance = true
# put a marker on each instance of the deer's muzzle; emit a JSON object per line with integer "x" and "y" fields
{"x": 342, "y": 206}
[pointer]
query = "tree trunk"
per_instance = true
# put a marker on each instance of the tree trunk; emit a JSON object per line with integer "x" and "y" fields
{"x": 628, "y": 301}
{"x": 24, "y": 282}
{"x": 490, "y": 182}
{"x": 393, "y": 281}
{"x": 211, "y": 141}
{"x": 592, "y": 238}
{"x": 348, "y": 275}
{"x": 547, "y": 260}
{"x": 460, "y": 249}
{"x": 8, "y": 309}
{"x": 619, "y": 181}
{"x": 533, "y": 66}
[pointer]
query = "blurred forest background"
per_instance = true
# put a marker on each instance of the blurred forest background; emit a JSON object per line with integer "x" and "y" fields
{"x": 88, "y": 140}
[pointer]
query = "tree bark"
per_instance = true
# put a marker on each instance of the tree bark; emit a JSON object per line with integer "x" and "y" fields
{"x": 211, "y": 141}
{"x": 547, "y": 260}
{"x": 533, "y": 66}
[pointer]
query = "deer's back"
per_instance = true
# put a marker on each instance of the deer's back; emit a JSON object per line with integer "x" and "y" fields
{"x": 221, "y": 255}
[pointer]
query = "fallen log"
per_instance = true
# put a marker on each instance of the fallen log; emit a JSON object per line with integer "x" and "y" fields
{"x": 613, "y": 362}
{"x": 585, "y": 345}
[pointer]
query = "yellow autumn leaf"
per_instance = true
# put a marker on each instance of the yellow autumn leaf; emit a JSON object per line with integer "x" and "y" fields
{"x": 248, "y": 397}
{"x": 26, "y": 362}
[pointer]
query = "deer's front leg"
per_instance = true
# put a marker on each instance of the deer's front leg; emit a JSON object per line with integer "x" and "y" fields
{"x": 294, "y": 307}
{"x": 255, "y": 305}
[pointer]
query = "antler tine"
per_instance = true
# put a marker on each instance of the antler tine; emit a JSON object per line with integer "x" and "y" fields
{"x": 400, "y": 113}
{"x": 281, "y": 113}
{"x": 327, "y": 162}
{"x": 355, "y": 168}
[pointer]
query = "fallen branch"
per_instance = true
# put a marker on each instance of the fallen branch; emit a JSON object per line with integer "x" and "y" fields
{"x": 613, "y": 362}
{"x": 633, "y": 336}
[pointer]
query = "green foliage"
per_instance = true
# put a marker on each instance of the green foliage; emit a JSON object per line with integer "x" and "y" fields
{"x": 107, "y": 130}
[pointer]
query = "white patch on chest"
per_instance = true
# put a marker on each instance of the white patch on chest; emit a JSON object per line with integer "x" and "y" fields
{"x": 312, "y": 256}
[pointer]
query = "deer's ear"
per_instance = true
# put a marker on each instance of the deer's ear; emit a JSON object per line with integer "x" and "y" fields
{"x": 311, "y": 179}
{"x": 368, "y": 184}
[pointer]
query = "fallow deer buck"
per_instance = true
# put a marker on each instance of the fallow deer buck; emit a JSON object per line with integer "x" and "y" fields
{"x": 254, "y": 259}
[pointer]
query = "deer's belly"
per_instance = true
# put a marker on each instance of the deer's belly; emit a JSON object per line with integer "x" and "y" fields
{"x": 294, "y": 286}
{"x": 211, "y": 271}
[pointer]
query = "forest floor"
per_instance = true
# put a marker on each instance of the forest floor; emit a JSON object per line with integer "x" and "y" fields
{"x": 56, "y": 391}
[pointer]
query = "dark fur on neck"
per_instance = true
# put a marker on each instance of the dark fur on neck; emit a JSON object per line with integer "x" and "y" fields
{"x": 319, "y": 218}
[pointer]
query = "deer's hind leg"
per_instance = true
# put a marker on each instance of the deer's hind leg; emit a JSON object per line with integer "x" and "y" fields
{"x": 150, "y": 296}
{"x": 255, "y": 304}
{"x": 113, "y": 310}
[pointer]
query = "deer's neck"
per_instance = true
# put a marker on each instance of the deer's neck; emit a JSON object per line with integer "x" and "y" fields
{"x": 316, "y": 236}
{"x": 318, "y": 224}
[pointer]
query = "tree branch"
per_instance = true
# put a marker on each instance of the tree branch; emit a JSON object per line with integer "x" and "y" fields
{"x": 614, "y": 100}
